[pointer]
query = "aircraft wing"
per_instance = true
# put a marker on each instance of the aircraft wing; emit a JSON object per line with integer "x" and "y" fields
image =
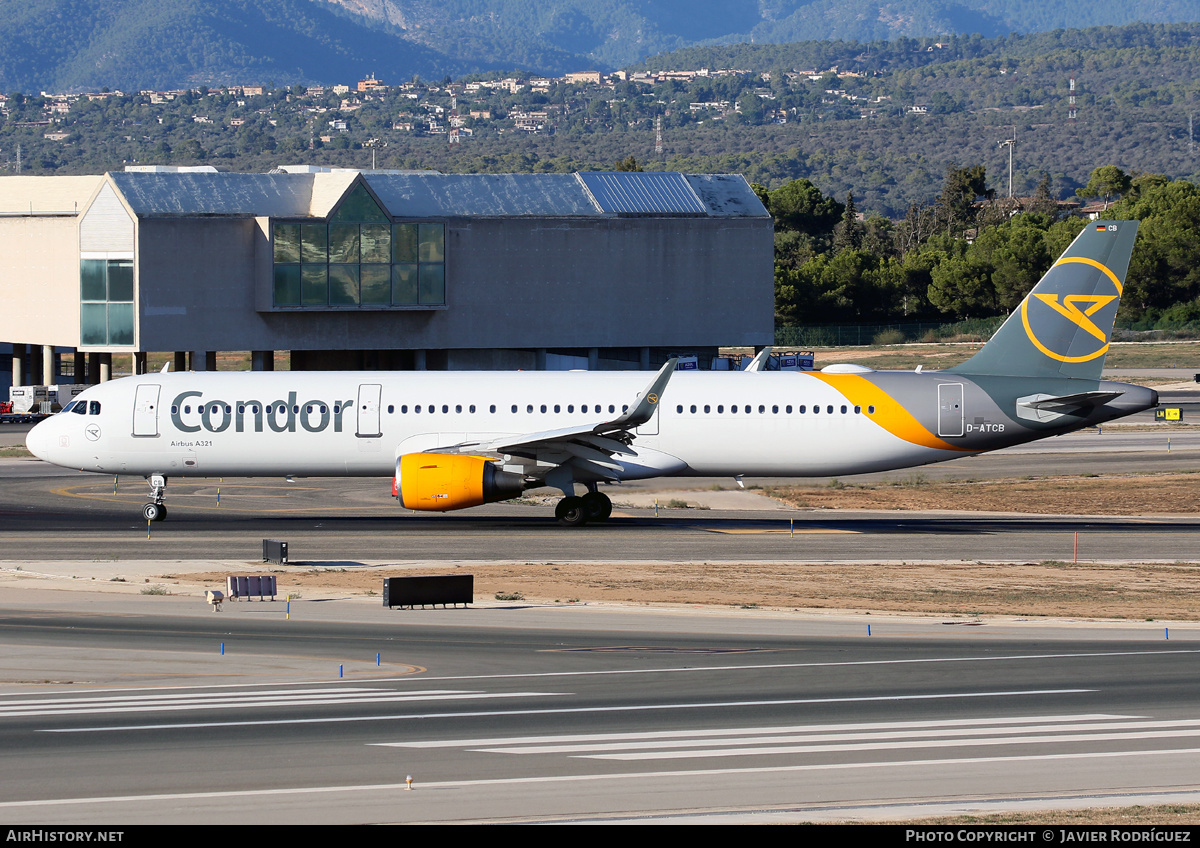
{"x": 587, "y": 449}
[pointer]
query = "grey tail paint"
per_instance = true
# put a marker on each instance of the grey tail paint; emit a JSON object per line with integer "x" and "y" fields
{"x": 1063, "y": 327}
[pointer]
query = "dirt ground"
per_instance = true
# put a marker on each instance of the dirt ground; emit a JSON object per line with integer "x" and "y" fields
{"x": 1155, "y": 494}
{"x": 1143, "y": 592}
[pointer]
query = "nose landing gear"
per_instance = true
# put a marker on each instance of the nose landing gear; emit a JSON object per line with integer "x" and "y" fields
{"x": 156, "y": 510}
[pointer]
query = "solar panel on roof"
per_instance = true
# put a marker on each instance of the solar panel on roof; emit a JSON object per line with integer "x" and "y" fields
{"x": 643, "y": 194}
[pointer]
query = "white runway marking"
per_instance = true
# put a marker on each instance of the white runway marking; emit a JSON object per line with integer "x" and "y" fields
{"x": 833, "y": 738}
{"x": 557, "y": 710}
{"x": 242, "y": 700}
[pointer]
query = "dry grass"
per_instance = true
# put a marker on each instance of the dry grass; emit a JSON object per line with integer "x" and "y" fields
{"x": 1152, "y": 494}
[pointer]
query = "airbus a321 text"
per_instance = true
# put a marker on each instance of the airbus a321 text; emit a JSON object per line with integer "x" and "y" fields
{"x": 452, "y": 440}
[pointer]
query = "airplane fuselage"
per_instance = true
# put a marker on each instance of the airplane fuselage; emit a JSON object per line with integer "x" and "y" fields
{"x": 798, "y": 424}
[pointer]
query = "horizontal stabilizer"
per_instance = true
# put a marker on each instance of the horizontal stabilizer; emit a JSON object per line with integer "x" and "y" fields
{"x": 1065, "y": 402}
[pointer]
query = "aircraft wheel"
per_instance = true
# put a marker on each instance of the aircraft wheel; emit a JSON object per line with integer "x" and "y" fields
{"x": 570, "y": 512}
{"x": 153, "y": 512}
{"x": 597, "y": 506}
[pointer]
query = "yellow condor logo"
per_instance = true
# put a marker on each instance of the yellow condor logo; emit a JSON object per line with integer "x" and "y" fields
{"x": 652, "y": 397}
{"x": 1076, "y": 308}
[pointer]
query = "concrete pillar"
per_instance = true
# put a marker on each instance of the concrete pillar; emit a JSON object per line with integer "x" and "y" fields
{"x": 19, "y": 357}
{"x": 204, "y": 360}
{"x": 80, "y": 368}
{"x": 105, "y": 367}
{"x": 593, "y": 358}
{"x": 262, "y": 360}
{"x": 49, "y": 361}
{"x": 93, "y": 369}
{"x": 35, "y": 364}
{"x": 181, "y": 363}
{"x": 139, "y": 363}
{"x": 644, "y": 359}
{"x": 418, "y": 360}
{"x": 539, "y": 359}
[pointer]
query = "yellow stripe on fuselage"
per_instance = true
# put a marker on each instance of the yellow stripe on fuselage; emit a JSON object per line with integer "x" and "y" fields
{"x": 889, "y": 413}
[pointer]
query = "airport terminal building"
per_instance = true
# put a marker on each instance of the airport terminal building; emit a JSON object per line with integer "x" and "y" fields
{"x": 380, "y": 270}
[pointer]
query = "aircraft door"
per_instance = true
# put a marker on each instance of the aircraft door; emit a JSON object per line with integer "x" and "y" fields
{"x": 650, "y": 428}
{"x": 145, "y": 410}
{"x": 950, "y": 409}
{"x": 368, "y": 411}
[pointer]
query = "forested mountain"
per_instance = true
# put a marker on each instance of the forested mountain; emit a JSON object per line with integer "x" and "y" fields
{"x": 64, "y": 45}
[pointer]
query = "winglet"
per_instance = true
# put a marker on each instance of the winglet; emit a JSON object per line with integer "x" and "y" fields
{"x": 759, "y": 363}
{"x": 643, "y": 410}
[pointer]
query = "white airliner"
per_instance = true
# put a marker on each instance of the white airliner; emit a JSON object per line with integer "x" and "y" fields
{"x": 452, "y": 440}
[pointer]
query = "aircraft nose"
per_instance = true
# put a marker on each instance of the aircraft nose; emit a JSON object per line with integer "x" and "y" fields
{"x": 38, "y": 440}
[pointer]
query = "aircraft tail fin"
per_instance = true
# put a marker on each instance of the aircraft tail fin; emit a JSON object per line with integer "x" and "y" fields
{"x": 1063, "y": 327}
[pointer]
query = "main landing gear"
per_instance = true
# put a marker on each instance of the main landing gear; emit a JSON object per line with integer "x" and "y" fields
{"x": 574, "y": 511}
{"x": 156, "y": 510}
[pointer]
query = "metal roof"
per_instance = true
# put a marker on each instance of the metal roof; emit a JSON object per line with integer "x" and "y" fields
{"x": 481, "y": 195}
{"x": 430, "y": 195}
{"x": 238, "y": 195}
{"x": 632, "y": 193}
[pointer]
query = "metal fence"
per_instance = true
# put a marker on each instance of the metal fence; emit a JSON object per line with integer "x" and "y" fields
{"x": 981, "y": 329}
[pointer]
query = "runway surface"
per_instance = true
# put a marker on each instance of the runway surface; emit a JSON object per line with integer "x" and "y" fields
{"x": 526, "y": 714}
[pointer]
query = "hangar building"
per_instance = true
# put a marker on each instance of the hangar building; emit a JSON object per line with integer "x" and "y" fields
{"x": 380, "y": 270}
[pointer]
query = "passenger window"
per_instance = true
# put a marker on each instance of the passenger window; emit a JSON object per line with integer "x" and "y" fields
{"x": 679, "y": 409}
{"x": 707, "y": 409}
{"x": 416, "y": 408}
{"x": 446, "y": 407}
{"x": 557, "y": 408}
{"x": 871, "y": 410}
{"x": 829, "y": 409}
{"x": 529, "y": 409}
{"x": 391, "y": 409}
{"x": 403, "y": 409}
{"x": 843, "y": 409}
{"x": 816, "y": 409}
{"x": 693, "y": 409}
{"x": 720, "y": 408}
{"x": 762, "y": 409}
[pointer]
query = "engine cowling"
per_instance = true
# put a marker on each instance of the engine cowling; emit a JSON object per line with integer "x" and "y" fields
{"x": 440, "y": 481}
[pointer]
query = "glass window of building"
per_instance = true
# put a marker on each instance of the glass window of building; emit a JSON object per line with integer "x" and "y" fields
{"x": 106, "y": 313}
{"x": 359, "y": 258}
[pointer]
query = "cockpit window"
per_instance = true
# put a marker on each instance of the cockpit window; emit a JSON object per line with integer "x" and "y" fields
{"x": 94, "y": 407}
